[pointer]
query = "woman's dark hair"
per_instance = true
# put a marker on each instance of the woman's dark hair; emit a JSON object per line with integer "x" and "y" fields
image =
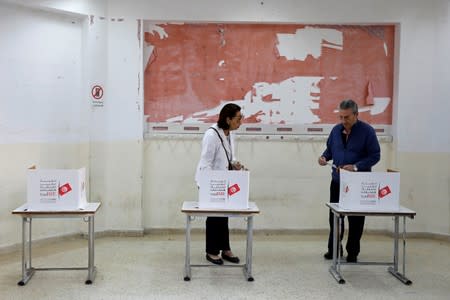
{"x": 228, "y": 111}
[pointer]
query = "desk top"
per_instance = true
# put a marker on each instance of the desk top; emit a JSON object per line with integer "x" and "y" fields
{"x": 190, "y": 207}
{"x": 402, "y": 211}
{"x": 90, "y": 209}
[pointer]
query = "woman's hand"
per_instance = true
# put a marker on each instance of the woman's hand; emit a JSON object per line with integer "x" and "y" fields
{"x": 237, "y": 166}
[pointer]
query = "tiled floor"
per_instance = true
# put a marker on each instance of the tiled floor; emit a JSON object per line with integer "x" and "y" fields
{"x": 284, "y": 267}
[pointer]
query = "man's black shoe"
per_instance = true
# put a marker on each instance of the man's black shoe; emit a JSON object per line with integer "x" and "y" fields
{"x": 233, "y": 259}
{"x": 352, "y": 258}
{"x": 218, "y": 261}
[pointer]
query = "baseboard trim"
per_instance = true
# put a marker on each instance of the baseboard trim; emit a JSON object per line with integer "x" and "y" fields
{"x": 38, "y": 242}
{"x": 176, "y": 231}
{"x": 179, "y": 231}
{"x": 117, "y": 233}
{"x": 427, "y": 235}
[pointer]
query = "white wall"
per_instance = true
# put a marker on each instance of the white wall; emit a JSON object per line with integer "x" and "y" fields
{"x": 41, "y": 77}
{"x": 42, "y": 120}
{"x": 423, "y": 81}
{"x": 113, "y": 132}
{"x": 116, "y": 128}
{"x": 142, "y": 184}
{"x": 66, "y": 7}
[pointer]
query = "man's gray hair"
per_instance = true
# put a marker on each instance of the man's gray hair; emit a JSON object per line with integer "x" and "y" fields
{"x": 349, "y": 104}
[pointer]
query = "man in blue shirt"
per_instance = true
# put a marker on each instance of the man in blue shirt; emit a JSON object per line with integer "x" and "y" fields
{"x": 353, "y": 146}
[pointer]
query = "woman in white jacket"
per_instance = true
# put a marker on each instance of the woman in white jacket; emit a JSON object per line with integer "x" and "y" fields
{"x": 218, "y": 154}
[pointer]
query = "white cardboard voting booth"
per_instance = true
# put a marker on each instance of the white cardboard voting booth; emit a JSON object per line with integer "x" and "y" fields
{"x": 223, "y": 189}
{"x": 369, "y": 190}
{"x": 56, "y": 189}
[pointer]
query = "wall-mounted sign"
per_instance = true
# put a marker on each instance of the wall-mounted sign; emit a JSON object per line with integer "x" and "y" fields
{"x": 97, "y": 94}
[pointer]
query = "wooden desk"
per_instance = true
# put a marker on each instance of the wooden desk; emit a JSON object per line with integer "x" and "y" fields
{"x": 192, "y": 210}
{"x": 339, "y": 213}
{"x": 27, "y": 216}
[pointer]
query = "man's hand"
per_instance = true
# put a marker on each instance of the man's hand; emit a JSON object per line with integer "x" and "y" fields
{"x": 348, "y": 168}
{"x": 322, "y": 161}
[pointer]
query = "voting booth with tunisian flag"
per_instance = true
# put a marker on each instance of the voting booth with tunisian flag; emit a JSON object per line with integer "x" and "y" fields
{"x": 379, "y": 191}
{"x": 56, "y": 189}
{"x": 223, "y": 189}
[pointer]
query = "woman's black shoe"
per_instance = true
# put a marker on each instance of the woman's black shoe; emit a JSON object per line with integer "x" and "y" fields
{"x": 218, "y": 261}
{"x": 329, "y": 254}
{"x": 233, "y": 259}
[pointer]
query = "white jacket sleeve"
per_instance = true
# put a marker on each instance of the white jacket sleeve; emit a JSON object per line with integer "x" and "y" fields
{"x": 209, "y": 149}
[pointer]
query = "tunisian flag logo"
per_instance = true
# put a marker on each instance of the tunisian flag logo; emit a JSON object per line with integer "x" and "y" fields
{"x": 64, "y": 189}
{"x": 233, "y": 189}
{"x": 384, "y": 192}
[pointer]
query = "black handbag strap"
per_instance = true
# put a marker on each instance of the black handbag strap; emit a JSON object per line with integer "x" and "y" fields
{"x": 226, "y": 152}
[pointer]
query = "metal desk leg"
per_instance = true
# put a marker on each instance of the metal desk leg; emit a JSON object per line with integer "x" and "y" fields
{"x": 187, "y": 262}
{"x": 404, "y": 244}
{"x": 248, "y": 252}
{"x": 394, "y": 270}
{"x": 335, "y": 268}
{"x": 27, "y": 269}
{"x": 91, "y": 268}
{"x": 396, "y": 230}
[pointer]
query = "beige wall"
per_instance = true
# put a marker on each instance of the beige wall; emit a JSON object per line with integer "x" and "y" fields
{"x": 15, "y": 159}
{"x": 287, "y": 184}
{"x": 116, "y": 182}
{"x": 425, "y": 188}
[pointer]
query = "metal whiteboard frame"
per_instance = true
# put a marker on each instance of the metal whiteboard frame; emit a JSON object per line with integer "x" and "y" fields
{"x": 310, "y": 132}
